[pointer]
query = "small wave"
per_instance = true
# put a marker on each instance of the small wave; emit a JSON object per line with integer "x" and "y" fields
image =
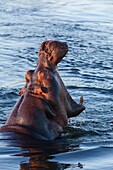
{"x": 87, "y": 157}
{"x": 72, "y": 133}
{"x": 94, "y": 89}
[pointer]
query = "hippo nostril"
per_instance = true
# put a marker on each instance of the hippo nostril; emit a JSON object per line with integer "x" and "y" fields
{"x": 51, "y": 58}
{"x": 65, "y": 43}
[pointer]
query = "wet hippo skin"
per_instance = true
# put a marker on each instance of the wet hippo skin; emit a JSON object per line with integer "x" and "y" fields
{"x": 45, "y": 104}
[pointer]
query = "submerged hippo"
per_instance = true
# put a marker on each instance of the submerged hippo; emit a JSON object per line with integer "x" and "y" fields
{"x": 45, "y": 104}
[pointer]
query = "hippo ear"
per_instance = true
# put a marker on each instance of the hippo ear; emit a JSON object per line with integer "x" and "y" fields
{"x": 29, "y": 75}
{"x": 22, "y": 90}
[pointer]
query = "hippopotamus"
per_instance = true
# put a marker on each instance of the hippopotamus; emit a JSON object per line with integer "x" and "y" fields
{"x": 45, "y": 104}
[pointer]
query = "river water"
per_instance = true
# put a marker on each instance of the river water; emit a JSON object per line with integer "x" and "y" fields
{"x": 87, "y": 27}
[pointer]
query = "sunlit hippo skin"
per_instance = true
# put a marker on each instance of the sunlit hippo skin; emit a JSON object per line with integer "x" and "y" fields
{"x": 64, "y": 106}
{"x": 45, "y": 104}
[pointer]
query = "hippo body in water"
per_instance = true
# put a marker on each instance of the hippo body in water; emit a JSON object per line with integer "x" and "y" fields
{"x": 45, "y": 104}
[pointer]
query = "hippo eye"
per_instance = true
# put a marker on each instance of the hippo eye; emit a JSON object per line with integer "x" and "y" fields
{"x": 44, "y": 89}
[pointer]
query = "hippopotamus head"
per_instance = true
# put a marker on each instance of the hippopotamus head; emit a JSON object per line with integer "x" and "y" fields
{"x": 52, "y": 52}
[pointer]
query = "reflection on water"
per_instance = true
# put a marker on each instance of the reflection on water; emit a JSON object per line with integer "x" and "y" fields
{"x": 87, "y": 70}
